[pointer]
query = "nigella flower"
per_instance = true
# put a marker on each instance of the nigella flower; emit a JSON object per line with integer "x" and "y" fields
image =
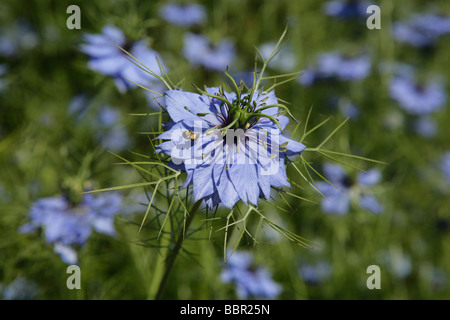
{"x": 421, "y": 30}
{"x": 445, "y": 165}
{"x": 111, "y": 133}
{"x": 155, "y": 97}
{"x": 346, "y": 9}
{"x": 315, "y": 274}
{"x": 335, "y": 65}
{"x": 426, "y": 126}
{"x": 397, "y": 262}
{"x": 341, "y": 190}
{"x": 3, "y": 71}
{"x": 108, "y": 58}
{"x": 199, "y": 51}
{"x": 346, "y": 107}
{"x": 17, "y": 38}
{"x": 417, "y": 98}
{"x": 230, "y": 144}
{"x": 66, "y": 224}
{"x": 184, "y": 15}
{"x": 251, "y": 281}
{"x": 284, "y": 61}
{"x": 20, "y": 289}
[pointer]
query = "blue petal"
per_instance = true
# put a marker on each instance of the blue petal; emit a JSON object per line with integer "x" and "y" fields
{"x": 184, "y": 106}
{"x": 369, "y": 178}
{"x": 333, "y": 172}
{"x": 369, "y": 202}
{"x": 203, "y": 182}
{"x": 225, "y": 188}
{"x": 293, "y": 147}
{"x": 67, "y": 254}
{"x": 337, "y": 204}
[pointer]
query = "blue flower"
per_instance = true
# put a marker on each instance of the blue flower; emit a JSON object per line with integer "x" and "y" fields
{"x": 426, "y": 126}
{"x": 421, "y": 30}
{"x": 155, "y": 98}
{"x": 346, "y": 107}
{"x": 183, "y": 15}
{"x": 110, "y": 132}
{"x": 229, "y": 150}
{"x": 338, "y": 197}
{"x": 3, "y": 71}
{"x": 20, "y": 289}
{"x": 284, "y": 61}
{"x": 251, "y": 281}
{"x": 445, "y": 165}
{"x": 417, "y": 98}
{"x": 335, "y": 65}
{"x": 107, "y": 58}
{"x": 199, "y": 51}
{"x": 346, "y": 9}
{"x": 66, "y": 225}
{"x": 17, "y": 38}
{"x": 315, "y": 274}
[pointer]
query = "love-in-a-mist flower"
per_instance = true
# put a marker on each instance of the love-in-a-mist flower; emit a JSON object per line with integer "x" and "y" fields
{"x": 284, "y": 61}
{"x": 341, "y": 190}
{"x": 17, "y": 38}
{"x": 230, "y": 144}
{"x": 426, "y": 126}
{"x": 346, "y": 9}
{"x": 184, "y": 15}
{"x": 107, "y": 57}
{"x": 315, "y": 273}
{"x": 421, "y": 30}
{"x": 337, "y": 66}
{"x": 251, "y": 281}
{"x": 417, "y": 98}
{"x": 200, "y": 51}
{"x": 445, "y": 165}
{"x": 19, "y": 289}
{"x": 3, "y": 71}
{"x": 67, "y": 225}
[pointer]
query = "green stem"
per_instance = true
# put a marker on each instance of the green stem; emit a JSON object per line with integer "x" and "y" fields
{"x": 172, "y": 255}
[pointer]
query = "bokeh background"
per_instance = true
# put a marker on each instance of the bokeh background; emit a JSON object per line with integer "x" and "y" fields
{"x": 59, "y": 118}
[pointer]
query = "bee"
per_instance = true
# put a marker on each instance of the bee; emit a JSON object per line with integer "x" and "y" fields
{"x": 189, "y": 135}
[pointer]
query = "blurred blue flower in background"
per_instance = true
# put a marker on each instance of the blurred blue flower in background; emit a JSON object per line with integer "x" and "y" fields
{"x": 155, "y": 98}
{"x": 107, "y": 58}
{"x": 284, "y": 61}
{"x": 445, "y": 165}
{"x": 111, "y": 133}
{"x": 417, "y": 98}
{"x": 199, "y": 51}
{"x": 346, "y": 9}
{"x": 220, "y": 169}
{"x": 421, "y": 30}
{"x": 340, "y": 190}
{"x": 17, "y": 38}
{"x": 184, "y": 15}
{"x": 426, "y": 126}
{"x": 3, "y": 71}
{"x": 396, "y": 261}
{"x": 345, "y": 106}
{"x": 19, "y": 289}
{"x": 317, "y": 273}
{"x": 66, "y": 224}
{"x": 251, "y": 281}
{"x": 335, "y": 65}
